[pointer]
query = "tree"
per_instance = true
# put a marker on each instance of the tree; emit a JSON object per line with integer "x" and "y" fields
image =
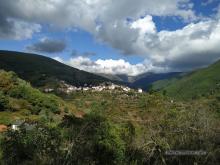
{"x": 40, "y": 145}
{"x": 4, "y": 102}
{"x": 94, "y": 140}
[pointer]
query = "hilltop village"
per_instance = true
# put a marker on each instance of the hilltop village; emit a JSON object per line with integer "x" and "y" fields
{"x": 111, "y": 87}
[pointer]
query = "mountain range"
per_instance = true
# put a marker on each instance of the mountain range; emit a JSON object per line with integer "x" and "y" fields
{"x": 113, "y": 125}
{"x": 201, "y": 82}
{"x": 43, "y": 71}
{"x": 143, "y": 81}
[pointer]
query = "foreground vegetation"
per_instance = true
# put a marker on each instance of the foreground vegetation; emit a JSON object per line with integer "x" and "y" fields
{"x": 113, "y": 128}
{"x": 19, "y": 100}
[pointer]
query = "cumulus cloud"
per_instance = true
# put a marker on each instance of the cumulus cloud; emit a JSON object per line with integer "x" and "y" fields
{"x": 145, "y": 25}
{"x": 196, "y": 45}
{"x": 126, "y": 25}
{"x": 109, "y": 66}
{"x": 47, "y": 45}
{"x": 87, "y": 14}
{"x": 17, "y": 30}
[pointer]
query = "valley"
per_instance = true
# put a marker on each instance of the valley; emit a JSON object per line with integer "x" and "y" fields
{"x": 107, "y": 82}
{"x": 108, "y": 119}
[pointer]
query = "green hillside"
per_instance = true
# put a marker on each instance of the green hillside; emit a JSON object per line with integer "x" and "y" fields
{"x": 203, "y": 82}
{"x": 43, "y": 71}
{"x": 111, "y": 127}
{"x": 19, "y": 100}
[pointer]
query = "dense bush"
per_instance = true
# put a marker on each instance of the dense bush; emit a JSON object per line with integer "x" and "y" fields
{"x": 38, "y": 100}
{"x": 11, "y": 85}
{"x": 94, "y": 140}
{"x": 37, "y": 146}
{"x": 4, "y": 102}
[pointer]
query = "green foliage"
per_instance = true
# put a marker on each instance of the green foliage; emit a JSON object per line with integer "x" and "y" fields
{"x": 117, "y": 128}
{"x": 4, "y": 102}
{"x": 123, "y": 130}
{"x": 200, "y": 83}
{"x": 94, "y": 140}
{"x": 39, "y": 100}
{"x": 14, "y": 87}
{"x": 39, "y": 145}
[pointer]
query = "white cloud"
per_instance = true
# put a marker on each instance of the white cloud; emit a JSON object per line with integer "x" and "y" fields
{"x": 193, "y": 46}
{"x": 196, "y": 45}
{"x": 87, "y": 14}
{"x": 58, "y": 59}
{"x": 144, "y": 25}
{"x": 108, "y": 66}
{"x": 17, "y": 30}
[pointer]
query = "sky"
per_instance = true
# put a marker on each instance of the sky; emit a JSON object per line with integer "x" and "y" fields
{"x": 115, "y": 37}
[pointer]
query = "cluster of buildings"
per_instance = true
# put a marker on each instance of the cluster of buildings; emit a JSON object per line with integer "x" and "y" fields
{"x": 16, "y": 125}
{"x": 67, "y": 88}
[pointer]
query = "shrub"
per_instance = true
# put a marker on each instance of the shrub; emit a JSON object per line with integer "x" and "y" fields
{"x": 37, "y": 146}
{"x": 4, "y": 102}
{"x": 94, "y": 141}
{"x": 38, "y": 100}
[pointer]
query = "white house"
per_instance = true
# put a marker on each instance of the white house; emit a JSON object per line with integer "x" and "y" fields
{"x": 126, "y": 89}
{"x": 112, "y": 87}
{"x": 15, "y": 126}
{"x": 100, "y": 88}
{"x": 71, "y": 89}
{"x": 47, "y": 90}
{"x": 85, "y": 89}
{"x": 140, "y": 90}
